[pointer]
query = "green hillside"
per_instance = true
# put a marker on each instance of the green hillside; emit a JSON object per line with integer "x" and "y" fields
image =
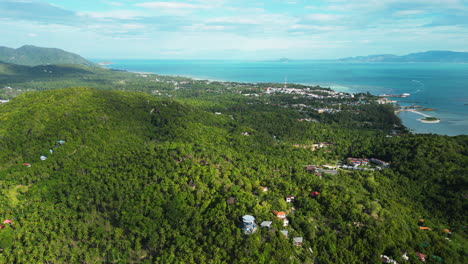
{"x": 33, "y": 56}
{"x": 141, "y": 179}
{"x": 20, "y": 78}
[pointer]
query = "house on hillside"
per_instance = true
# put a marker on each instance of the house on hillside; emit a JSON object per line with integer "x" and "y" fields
{"x": 248, "y": 224}
{"x": 357, "y": 162}
{"x": 297, "y": 241}
{"x": 289, "y": 198}
{"x": 280, "y": 214}
{"x": 264, "y": 189}
{"x": 379, "y": 162}
{"x": 310, "y": 168}
{"x": 421, "y": 256}
{"x": 386, "y": 259}
{"x": 266, "y": 224}
{"x": 284, "y": 232}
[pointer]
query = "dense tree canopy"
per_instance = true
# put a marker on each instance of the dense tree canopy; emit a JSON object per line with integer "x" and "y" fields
{"x": 146, "y": 179}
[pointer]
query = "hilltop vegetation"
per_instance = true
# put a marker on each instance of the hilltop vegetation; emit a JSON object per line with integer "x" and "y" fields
{"x": 33, "y": 56}
{"x": 16, "y": 79}
{"x": 146, "y": 179}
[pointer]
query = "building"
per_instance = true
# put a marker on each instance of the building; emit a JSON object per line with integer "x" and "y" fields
{"x": 289, "y": 198}
{"x": 386, "y": 259}
{"x": 284, "y": 232}
{"x": 248, "y": 224}
{"x": 357, "y": 162}
{"x": 281, "y": 214}
{"x": 266, "y": 224}
{"x": 285, "y": 222}
{"x": 379, "y": 162}
{"x": 297, "y": 241}
{"x": 265, "y": 189}
{"x": 421, "y": 256}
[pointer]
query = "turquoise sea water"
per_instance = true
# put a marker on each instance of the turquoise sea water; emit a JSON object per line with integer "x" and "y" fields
{"x": 443, "y": 86}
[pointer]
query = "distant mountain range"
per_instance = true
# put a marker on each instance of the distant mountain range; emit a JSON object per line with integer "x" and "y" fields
{"x": 428, "y": 56}
{"x": 33, "y": 56}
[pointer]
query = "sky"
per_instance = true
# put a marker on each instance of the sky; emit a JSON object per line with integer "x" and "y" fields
{"x": 235, "y": 29}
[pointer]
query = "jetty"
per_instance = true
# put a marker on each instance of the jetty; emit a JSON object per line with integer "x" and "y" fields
{"x": 419, "y": 113}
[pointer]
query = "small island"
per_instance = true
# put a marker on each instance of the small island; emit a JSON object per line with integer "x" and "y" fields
{"x": 430, "y": 119}
{"x": 428, "y": 109}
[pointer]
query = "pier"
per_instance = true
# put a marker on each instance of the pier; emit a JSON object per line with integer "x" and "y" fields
{"x": 419, "y": 113}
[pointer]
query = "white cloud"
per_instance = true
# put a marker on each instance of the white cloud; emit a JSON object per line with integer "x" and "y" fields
{"x": 235, "y": 20}
{"x": 408, "y": 12}
{"x": 115, "y": 3}
{"x": 171, "y": 5}
{"x": 116, "y": 14}
{"x": 203, "y": 27}
{"x": 301, "y": 27}
{"x": 323, "y": 17}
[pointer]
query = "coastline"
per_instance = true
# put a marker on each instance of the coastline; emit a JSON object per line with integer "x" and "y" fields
{"x": 310, "y": 74}
{"x": 419, "y": 113}
{"x": 336, "y": 88}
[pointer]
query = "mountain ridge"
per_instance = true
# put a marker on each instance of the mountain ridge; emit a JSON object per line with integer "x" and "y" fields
{"x": 30, "y": 55}
{"x": 427, "y": 56}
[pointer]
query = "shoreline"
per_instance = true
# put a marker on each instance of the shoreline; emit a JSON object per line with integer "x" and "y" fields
{"x": 334, "y": 86}
{"x": 419, "y": 113}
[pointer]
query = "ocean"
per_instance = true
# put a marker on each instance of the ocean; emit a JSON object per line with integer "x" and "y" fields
{"x": 443, "y": 86}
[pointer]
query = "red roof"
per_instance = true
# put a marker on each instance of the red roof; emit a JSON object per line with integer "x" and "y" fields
{"x": 7, "y": 221}
{"x": 1, "y": 226}
{"x": 26, "y": 164}
{"x": 421, "y": 256}
{"x": 314, "y": 194}
{"x": 280, "y": 214}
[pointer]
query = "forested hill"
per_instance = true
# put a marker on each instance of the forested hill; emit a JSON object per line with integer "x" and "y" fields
{"x": 33, "y": 56}
{"x": 92, "y": 176}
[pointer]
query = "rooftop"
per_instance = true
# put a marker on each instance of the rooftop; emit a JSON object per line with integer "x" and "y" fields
{"x": 248, "y": 218}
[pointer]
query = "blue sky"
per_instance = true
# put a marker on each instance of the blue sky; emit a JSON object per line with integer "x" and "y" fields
{"x": 235, "y": 29}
